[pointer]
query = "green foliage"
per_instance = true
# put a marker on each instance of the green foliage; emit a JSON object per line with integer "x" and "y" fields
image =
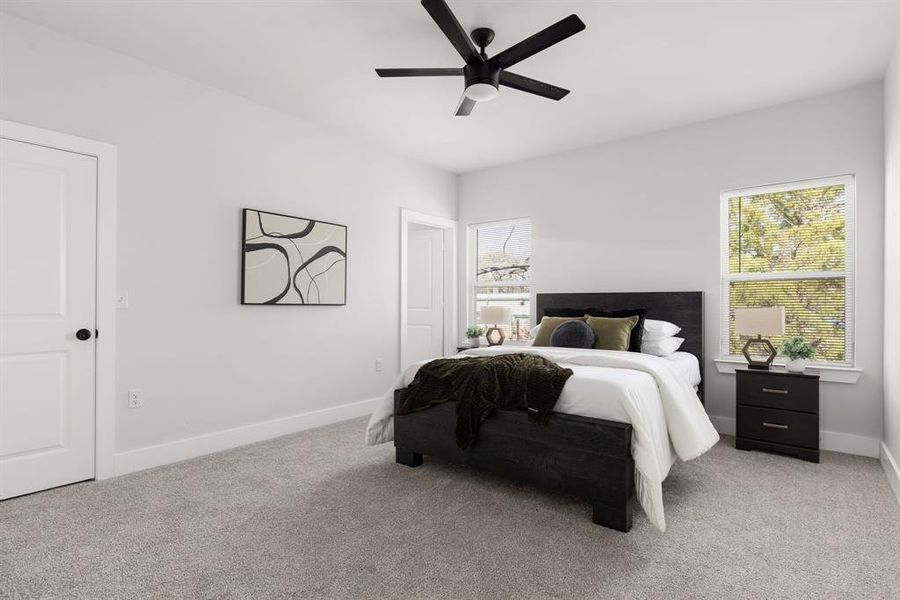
{"x": 474, "y": 331}
{"x": 814, "y": 310}
{"x": 796, "y": 347}
{"x": 799, "y": 231}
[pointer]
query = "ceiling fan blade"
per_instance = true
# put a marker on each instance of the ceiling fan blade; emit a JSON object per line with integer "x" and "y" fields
{"x": 445, "y": 19}
{"x": 540, "y": 41}
{"x": 438, "y": 72}
{"x": 465, "y": 106}
{"x": 532, "y": 86}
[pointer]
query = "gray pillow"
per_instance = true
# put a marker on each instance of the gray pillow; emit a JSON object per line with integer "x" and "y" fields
{"x": 573, "y": 334}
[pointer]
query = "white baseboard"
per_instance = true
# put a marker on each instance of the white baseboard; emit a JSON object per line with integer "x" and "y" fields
{"x": 891, "y": 469}
{"x": 178, "y": 450}
{"x": 834, "y": 441}
{"x": 849, "y": 443}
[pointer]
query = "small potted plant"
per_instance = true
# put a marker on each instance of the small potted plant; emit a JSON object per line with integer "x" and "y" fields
{"x": 798, "y": 352}
{"x": 474, "y": 334}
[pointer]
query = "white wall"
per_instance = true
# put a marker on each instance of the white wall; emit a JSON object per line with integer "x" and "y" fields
{"x": 190, "y": 157}
{"x": 642, "y": 214}
{"x": 892, "y": 270}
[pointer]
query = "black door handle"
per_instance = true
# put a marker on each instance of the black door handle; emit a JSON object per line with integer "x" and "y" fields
{"x": 83, "y": 334}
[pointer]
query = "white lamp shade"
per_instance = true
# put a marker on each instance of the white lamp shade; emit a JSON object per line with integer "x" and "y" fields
{"x": 759, "y": 321}
{"x": 496, "y": 315}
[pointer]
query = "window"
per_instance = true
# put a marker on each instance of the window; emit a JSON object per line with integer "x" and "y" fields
{"x": 791, "y": 245}
{"x": 500, "y": 273}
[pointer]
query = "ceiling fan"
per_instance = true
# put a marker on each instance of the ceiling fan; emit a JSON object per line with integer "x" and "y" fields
{"x": 484, "y": 75}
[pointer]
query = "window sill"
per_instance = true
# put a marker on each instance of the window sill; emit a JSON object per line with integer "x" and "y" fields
{"x": 826, "y": 373}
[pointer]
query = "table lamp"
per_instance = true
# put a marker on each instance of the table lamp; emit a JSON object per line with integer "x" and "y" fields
{"x": 759, "y": 322}
{"x": 492, "y": 315}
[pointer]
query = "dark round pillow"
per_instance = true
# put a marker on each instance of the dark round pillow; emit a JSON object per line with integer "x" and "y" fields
{"x": 573, "y": 334}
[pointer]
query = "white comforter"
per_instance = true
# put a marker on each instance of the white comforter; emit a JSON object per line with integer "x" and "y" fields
{"x": 644, "y": 390}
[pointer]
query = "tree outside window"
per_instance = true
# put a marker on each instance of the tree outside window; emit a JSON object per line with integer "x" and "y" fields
{"x": 790, "y": 246}
{"x": 502, "y": 273}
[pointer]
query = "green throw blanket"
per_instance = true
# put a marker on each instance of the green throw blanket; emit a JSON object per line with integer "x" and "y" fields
{"x": 482, "y": 384}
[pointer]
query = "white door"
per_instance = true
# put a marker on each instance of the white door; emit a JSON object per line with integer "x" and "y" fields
{"x": 425, "y": 293}
{"x": 48, "y": 201}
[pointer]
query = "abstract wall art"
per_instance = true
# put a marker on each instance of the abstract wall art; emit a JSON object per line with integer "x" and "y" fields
{"x": 293, "y": 261}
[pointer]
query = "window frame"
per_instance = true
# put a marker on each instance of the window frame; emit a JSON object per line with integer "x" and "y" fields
{"x": 848, "y": 274}
{"x": 472, "y": 283}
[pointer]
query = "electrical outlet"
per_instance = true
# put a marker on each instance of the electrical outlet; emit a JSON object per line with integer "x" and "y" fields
{"x": 135, "y": 398}
{"x": 122, "y": 299}
{"x": 379, "y": 365}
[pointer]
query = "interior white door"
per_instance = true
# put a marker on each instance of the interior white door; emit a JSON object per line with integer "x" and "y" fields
{"x": 425, "y": 293}
{"x": 48, "y": 203}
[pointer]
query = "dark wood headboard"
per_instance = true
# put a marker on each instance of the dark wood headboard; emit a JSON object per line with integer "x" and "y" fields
{"x": 685, "y": 309}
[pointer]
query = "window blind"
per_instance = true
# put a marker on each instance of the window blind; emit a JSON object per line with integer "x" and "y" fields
{"x": 790, "y": 246}
{"x": 502, "y": 273}
{"x": 504, "y": 252}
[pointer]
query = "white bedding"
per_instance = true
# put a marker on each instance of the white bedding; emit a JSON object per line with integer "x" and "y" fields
{"x": 688, "y": 365}
{"x": 654, "y": 394}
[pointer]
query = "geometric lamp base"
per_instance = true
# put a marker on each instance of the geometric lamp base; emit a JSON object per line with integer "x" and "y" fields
{"x": 756, "y": 364}
{"x": 494, "y": 336}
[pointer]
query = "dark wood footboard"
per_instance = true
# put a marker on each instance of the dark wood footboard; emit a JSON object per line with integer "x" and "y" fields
{"x": 580, "y": 455}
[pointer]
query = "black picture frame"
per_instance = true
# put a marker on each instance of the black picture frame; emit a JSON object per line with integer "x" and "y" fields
{"x": 257, "y": 237}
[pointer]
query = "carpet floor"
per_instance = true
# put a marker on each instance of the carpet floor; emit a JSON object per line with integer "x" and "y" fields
{"x": 319, "y": 515}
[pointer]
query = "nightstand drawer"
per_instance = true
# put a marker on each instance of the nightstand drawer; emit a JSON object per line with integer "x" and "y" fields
{"x": 779, "y": 426}
{"x": 778, "y": 391}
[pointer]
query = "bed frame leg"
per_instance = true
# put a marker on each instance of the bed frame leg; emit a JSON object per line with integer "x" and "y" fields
{"x": 409, "y": 458}
{"x": 614, "y": 517}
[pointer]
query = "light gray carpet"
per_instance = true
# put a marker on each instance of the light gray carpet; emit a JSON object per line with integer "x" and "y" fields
{"x": 319, "y": 515}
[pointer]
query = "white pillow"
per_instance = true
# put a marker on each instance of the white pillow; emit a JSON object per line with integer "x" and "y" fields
{"x": 655, "y": 331}
{"x": 664, "y": 347}
{"x": 534, "y": 331}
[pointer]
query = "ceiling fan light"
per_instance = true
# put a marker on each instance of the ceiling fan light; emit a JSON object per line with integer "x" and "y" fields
{"x": 481, "y": 92}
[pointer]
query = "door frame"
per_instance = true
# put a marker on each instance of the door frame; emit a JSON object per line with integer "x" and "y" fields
{"x": 449, "y": 228}
{"x": 105, "y": 342}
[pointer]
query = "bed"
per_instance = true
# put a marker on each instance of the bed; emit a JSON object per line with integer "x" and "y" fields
{"x": 619, "y": 409}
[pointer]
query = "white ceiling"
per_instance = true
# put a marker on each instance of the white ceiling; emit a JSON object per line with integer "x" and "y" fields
{"x": 638, "y": 67}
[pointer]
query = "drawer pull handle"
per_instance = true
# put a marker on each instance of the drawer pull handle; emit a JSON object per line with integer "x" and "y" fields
{"x": 774, "y": 391}
{"x": 775, "y": 425}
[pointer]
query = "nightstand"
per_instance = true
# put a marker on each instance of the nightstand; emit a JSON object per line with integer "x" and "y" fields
{"x": 779, "y": 412}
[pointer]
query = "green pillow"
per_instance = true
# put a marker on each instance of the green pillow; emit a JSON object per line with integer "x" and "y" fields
{"x": 548, "y": 325}
{"x": 611, "y": 333}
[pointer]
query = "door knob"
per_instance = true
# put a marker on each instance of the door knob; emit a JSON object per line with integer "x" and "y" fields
{"x": 83, "y": 334}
